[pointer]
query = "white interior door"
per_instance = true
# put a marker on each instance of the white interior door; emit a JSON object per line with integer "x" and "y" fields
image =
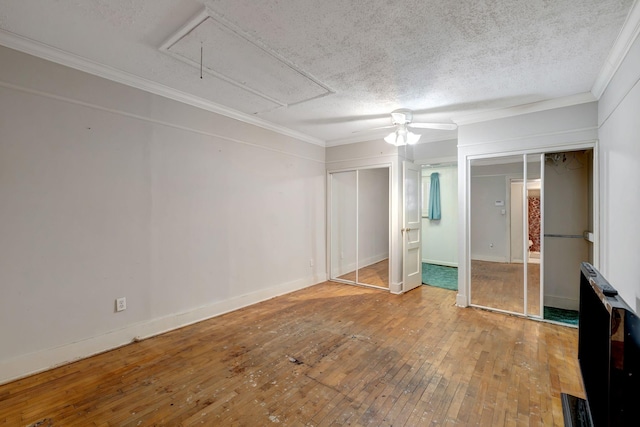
{"x": 411, "y": 220}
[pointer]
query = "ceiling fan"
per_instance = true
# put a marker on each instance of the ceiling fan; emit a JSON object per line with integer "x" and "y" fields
{"x": 402, "y": 122}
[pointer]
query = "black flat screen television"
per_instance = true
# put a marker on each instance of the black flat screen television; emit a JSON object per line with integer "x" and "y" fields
{"x": 608, "y": 353}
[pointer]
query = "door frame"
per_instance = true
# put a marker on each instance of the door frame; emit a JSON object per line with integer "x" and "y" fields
{"x": 464, "y": 278}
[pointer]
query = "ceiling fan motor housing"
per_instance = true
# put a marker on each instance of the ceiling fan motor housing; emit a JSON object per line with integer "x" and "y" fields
{"x": 401, "y": 117}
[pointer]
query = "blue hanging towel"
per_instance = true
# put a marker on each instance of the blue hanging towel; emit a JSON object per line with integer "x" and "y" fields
{"x": 434, "y": 197}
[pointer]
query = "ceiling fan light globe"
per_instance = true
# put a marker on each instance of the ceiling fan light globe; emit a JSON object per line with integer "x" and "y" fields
{"x": 412, "y": 138}
{"x": 396, "y": 138}
{"x": 391, "y": 138}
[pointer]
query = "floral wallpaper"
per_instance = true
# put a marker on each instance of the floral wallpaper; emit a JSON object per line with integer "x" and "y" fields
{"x": 534, "y": 223}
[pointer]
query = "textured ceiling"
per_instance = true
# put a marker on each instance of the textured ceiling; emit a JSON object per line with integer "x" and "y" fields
{"x": 443, "y": 59}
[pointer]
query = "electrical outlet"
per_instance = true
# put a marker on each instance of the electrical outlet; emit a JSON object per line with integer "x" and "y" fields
{"x": 121, "y": 304}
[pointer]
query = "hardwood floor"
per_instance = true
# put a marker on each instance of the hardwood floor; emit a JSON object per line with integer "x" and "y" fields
{"x": 375, "y": 274}
{"x": 330, "y": 354}
{"x": 501, "y": 285}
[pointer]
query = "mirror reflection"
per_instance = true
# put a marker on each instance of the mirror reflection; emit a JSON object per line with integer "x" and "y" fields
{"x": 534, "y": 234}
{"x": 360, "y": 227}
{"x": 373, "y": 227}
{"x": 343, "y": 225}
{"x": 497, "y": 233}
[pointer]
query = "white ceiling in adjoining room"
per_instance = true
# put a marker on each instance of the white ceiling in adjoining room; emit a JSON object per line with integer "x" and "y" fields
{"x": 334, "y": 69}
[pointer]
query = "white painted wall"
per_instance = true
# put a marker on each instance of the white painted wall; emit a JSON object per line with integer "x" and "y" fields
{"x": 108, "y": 191}
{"x": 619, "y": 162}
{"x": 549, "y": 128}
{"x": 440, "y": 237}
{"x": 436, "y": 152}
{"x": 489, "y": 226}
{"x": 494, "y": 234}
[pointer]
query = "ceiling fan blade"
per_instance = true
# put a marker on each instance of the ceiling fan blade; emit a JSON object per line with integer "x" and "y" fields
{"x": 344, "y": 119}
{"x": 442, "y": 126}
{"x": 374, "y": 129}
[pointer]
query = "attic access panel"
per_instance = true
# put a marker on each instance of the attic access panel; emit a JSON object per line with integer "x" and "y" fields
{"x": 230, "y": 54}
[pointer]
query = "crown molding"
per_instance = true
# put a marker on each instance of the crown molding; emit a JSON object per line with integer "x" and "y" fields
{"x": 50, "y": 53}
{"x": 534, "y": 107}
{"x": 628, "y": 34}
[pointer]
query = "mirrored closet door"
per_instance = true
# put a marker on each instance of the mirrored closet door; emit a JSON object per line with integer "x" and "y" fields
{"x": 533, "y": 215}
{"x": 505, "y": 232}
{"x": 531, "y": 225}
{"x": 343, "y": 225}
{"x": 359, "y": 227}
{"x": 497, "y": 275}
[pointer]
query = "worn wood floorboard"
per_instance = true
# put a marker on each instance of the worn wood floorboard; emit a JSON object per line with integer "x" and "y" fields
{"x": 328, "y": 355}
{"x": 376, "y": 274}
{"x": 501, "y": 285}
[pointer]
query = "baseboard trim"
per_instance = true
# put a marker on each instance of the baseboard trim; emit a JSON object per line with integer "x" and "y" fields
{"x": 33, "y": 363}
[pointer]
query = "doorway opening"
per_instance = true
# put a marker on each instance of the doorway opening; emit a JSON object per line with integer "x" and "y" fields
{"x": 440, "y": 233}
{"x": 568, "y": 230}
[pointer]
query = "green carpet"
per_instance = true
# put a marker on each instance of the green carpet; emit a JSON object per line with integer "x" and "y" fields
{"x": 440, "y": 276}
{"x": 560, "y": 315}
